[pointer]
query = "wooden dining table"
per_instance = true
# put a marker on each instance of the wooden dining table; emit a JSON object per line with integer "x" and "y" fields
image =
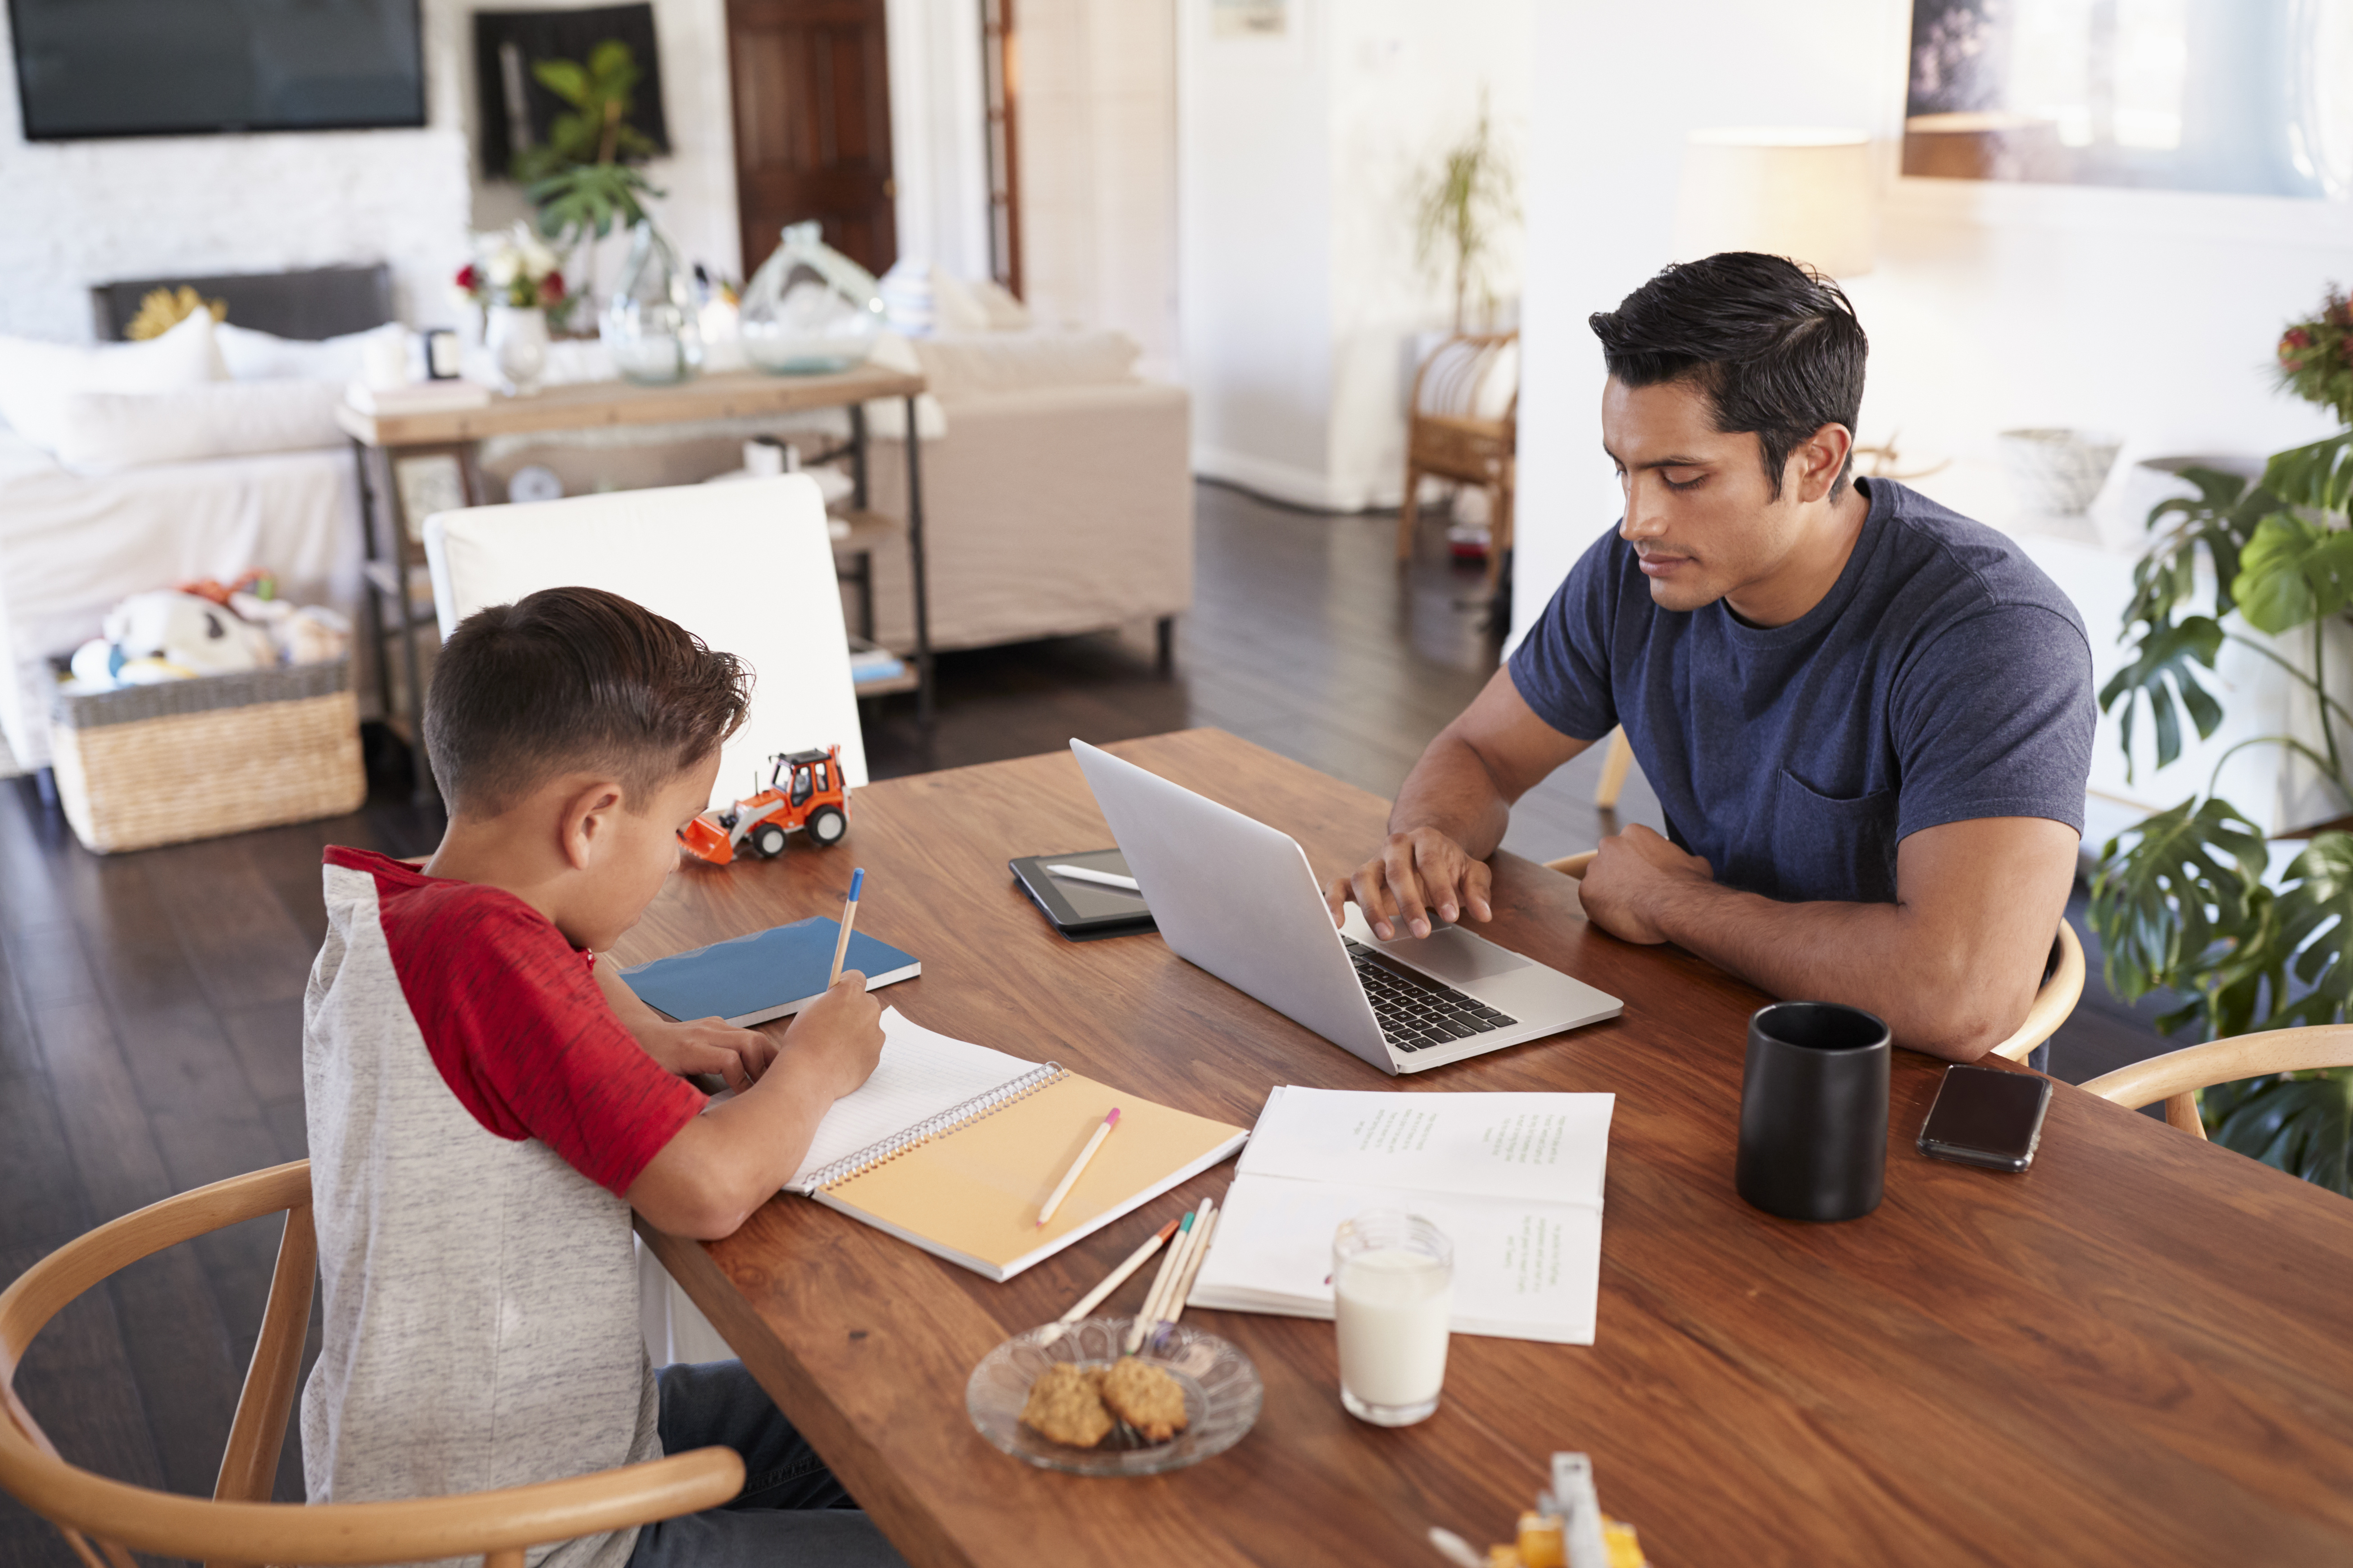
{"x": 2135, "y": 1352}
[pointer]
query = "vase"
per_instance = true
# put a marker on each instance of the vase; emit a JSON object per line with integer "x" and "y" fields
{"x": 650, "y": 327}
{"x": 809, "y": 308}
{"x": 517, "y": 338}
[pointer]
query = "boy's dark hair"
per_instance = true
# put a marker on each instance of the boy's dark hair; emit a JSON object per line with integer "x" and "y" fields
{"x": 1772, "y": 342}
{"x": 572, "y": 680}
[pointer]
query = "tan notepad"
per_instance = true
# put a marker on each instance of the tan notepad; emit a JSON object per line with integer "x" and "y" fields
{"x": 966, "y": 1183}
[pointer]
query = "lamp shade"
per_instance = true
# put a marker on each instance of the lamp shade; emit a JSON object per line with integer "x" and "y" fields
{"x": 1802, "y": 193}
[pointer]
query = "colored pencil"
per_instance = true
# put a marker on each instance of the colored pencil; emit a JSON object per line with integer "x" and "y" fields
{"x": 1070, "y": 1176}
{"x": 848, "y": 915}
{"x": 1175, "y": 1251}
{"x": 1202, "y": 1234}
{"x": 1120, "y": 1276}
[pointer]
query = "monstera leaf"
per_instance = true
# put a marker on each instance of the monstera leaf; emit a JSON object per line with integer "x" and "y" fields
{"x": 2293, "y": 571}
{"x": 2220, "y": 518}
{"x": 2177, "y": 895}
{"x": 2319, "y": 476}
{"x": 2160, "y": 673}
{"x": 2300, "y": 1122}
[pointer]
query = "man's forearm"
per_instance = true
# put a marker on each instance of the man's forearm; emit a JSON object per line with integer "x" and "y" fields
{"x": 1452, "y": 789}
{"x": 1875, "y": 956}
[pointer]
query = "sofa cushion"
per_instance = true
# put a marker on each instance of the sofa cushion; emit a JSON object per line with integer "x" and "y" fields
{"x": 37, "y": 378}
{"x": 982, "y": 364}
{"x": 107, "y": 431}
{"x": 264, "y": 356}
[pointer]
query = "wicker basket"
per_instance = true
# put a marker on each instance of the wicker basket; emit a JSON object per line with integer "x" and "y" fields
{"x": 195, "y": 759}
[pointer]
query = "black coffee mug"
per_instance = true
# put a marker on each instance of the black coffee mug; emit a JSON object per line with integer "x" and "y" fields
{"x": 1813, "y": 1111}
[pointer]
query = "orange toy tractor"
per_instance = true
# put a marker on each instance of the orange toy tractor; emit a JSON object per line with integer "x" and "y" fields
{"x": 805, "y": 792}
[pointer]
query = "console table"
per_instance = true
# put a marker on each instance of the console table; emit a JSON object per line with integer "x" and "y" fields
{"x": 399, "y": 590}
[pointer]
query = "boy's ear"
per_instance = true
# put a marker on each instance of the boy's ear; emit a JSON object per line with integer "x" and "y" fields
{"x": 588, "y": 813}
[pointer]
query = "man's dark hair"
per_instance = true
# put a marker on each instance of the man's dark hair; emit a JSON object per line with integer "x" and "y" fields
{"x": 573, "y": 680}
{"x": 1772, "y": 342}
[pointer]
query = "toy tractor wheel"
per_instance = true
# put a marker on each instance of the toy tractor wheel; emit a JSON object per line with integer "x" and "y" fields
{"x": 827, "y": 825}
{"x": 768, "y": 839}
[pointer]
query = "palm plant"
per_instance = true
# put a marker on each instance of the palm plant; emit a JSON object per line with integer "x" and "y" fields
{"x": 2181, "y": 900}
{"x": 1458, "y": 208}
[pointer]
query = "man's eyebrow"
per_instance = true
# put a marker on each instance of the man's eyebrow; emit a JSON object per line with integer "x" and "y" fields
{"x": 1670, "y": 462}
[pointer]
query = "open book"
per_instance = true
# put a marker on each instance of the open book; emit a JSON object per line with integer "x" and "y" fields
{"x": 1512, "y": 1180}
{"x": 953, "y": 1147}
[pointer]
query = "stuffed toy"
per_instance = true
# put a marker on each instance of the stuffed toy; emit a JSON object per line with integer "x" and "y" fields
{"x": 169, "y": 636}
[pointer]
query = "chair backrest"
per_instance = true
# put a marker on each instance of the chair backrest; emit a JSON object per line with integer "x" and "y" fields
{"x": 99, "y": 1517}
{"x": 746, "y": 566}
{"x": 2176, "y": 1076}
{"x": 325, "y": 302}
{"x": 1473, "y": 376}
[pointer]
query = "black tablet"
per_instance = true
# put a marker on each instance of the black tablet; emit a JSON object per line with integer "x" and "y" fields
{"x": 1080, "y": 910}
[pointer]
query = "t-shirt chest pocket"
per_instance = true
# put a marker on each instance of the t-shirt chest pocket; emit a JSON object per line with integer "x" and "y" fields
{"x": 1851, "y": 838}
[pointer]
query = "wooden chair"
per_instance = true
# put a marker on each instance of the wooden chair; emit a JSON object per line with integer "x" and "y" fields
{"x": 99, "y": 1518}
{"x": 2178, "y": 1075}
{"x": 1448, "y": 436}
{"x": 2063, "y": 983}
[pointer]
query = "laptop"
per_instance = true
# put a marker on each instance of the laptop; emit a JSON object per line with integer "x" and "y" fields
{"x": 1237, "y": 899}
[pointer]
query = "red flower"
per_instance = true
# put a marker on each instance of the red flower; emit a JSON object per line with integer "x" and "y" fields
{"x": 2296, "y": 338}
{"x": 466, "y": 278}
{"x": 551, "y": 288}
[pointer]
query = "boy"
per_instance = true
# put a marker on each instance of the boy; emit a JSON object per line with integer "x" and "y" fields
{"x": 488, "y": 1101}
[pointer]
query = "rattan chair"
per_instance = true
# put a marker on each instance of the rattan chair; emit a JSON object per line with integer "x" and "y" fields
{"x": 2176, "y": 1076}
{"x": 2062, "y": 980}
{"x": 99, "y": 1518}
{"x": 1449, "y": 437}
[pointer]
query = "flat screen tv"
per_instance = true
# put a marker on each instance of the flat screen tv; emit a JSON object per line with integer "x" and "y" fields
{"x": 177, "y": 67}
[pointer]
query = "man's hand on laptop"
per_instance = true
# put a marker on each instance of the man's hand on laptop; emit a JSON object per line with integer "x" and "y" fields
{"x": 1417, "y": 871}
{"x": 1629, "y": 873}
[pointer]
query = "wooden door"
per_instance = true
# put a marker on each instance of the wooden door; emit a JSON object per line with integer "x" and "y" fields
{"x": 813, "y": 125}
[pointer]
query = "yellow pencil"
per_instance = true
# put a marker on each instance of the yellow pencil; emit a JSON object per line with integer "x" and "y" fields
{"x": 1167, "y": 1262}
{"x": 1205, "y": 1232}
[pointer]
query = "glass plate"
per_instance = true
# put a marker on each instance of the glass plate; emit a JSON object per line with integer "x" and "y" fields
{"x": 1222, "y": 1395}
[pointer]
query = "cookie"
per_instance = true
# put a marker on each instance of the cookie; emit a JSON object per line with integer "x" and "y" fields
{"x": 1145, "y": 1397}
{"x": 1065, "y": 1406}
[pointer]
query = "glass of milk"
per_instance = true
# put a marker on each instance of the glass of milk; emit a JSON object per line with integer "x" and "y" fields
{"x": 1393, "y": 1293}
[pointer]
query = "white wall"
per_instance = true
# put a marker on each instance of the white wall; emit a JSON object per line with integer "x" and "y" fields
{"x": 1097, "y": 139}
{"x": 1300, "y": 158}
{"x": 2150, "y": 313}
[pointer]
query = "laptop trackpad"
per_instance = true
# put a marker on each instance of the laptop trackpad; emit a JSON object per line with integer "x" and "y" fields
{"x": 1454, "y": 955}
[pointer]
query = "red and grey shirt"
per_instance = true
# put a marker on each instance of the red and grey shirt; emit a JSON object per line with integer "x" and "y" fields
{"x": 475, "y": 1111}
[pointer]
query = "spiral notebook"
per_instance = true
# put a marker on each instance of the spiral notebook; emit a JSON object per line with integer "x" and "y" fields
{"x": 954, "y": 1146}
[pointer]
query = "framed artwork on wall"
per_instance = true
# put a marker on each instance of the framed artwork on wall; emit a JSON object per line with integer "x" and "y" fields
{"x": 2243, "y": 96}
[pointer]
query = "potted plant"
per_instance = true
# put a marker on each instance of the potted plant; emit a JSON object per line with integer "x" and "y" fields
{"x": 1458, "y": 210}
{"x": 516, "y": 280}
{"x": 583, "y": 179}
{"x": 2183, "y": 901}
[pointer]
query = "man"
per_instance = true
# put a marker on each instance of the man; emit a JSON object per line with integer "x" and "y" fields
{"x": 1869, "y": 720}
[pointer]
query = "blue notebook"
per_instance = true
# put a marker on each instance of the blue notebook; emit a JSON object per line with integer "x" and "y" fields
{"x": 751, "y": 979}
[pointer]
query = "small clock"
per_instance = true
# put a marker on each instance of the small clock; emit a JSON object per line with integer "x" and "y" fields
{"x": 534, "y": 482}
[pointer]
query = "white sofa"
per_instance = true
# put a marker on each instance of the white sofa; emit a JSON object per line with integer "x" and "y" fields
{"x": 125, "y": 486}
{"x": 1057, "y": 497}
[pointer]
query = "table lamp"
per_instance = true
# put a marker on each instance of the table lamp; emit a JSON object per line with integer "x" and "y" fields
{"x": 1803, "y": 194}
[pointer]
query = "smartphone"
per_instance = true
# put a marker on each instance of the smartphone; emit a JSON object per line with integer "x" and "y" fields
{"x": 1984, "y": 1116}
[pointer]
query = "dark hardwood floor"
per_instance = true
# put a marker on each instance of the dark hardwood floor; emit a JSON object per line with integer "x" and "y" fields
{"x": 151, "y": 1003}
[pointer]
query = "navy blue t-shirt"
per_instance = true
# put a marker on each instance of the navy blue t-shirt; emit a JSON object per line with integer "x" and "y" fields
{"x": 1943, "y": 678}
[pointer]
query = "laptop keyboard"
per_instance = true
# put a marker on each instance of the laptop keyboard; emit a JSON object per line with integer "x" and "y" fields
{"x": 1415, "y": 1011}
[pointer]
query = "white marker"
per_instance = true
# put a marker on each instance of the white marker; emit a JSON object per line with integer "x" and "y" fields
{"x": 1100, "y": 878}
